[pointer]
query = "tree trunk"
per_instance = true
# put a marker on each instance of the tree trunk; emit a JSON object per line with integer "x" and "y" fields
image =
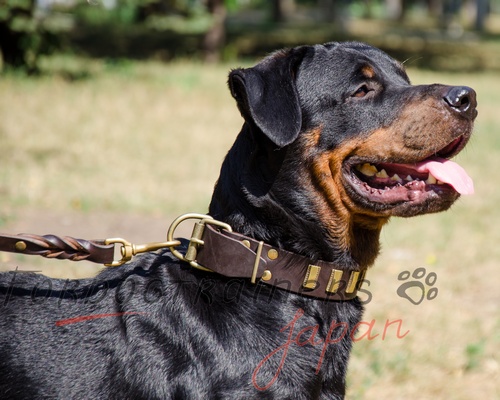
{"x": 329, "y": 10}
{"x": 282, "y": 9}
{"x": 394, "y": 9}
{"x": 215, "y": 37}
{"x": 481, "y": 14}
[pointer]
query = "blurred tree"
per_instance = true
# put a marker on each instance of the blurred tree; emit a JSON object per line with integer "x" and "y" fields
{"x": 394, "y": 8}
{"x": 215, "y": 37}
{"x": 434, "y": 7}
{"x": 282, "y": 9}
{"x": 482, "y": 11}
{"x": 329, "y": 9}
{"x": 25, "y": 34}
{"x": 450, "y": 10}
{"x": 171, "y": 28}
{"x": 368, "y": 9}
{"x": 148, "y": 8}
{"x": 18, "y": 33}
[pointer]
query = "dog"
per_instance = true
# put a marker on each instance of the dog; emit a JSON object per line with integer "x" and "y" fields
{"x": 335, "y": 141}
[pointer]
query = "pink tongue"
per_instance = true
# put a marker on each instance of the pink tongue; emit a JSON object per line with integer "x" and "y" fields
{"x": 448, "y": 172}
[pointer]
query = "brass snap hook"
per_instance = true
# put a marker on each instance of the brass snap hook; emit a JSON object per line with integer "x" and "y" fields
{"x": 128, "y": 250}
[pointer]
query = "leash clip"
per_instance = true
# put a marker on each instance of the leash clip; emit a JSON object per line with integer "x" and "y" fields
{"x": 128, "y": 250}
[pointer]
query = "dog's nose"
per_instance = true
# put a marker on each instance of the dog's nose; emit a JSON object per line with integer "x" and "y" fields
{"x": 462, "y": 99}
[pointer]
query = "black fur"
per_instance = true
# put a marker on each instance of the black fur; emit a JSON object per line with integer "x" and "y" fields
{"x": 159, "y": 329}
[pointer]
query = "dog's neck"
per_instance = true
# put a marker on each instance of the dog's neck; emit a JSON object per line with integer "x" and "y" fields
{"x": 256, "y": 194}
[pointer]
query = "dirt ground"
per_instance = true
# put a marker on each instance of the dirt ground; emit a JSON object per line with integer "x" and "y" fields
{"x": 135, "y": 228}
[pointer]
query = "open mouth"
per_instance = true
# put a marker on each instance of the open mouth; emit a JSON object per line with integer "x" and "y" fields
{"x": 392, "y": 183}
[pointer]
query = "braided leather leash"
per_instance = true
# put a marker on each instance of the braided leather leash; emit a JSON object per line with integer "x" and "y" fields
{"x": 64, "y": 248}
{"x": 213, "y": 247}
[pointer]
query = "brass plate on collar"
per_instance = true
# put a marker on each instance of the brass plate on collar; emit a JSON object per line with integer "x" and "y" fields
{"x": 334, "y": 281}
{"x": 312, "y": 275}
{"x": 353, "y": 280}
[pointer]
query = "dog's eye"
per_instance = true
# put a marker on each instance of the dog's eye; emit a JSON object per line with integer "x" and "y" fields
{"x": 362, "y": 91}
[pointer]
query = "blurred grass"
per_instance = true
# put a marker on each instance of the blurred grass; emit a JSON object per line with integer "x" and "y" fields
{"x": 149, "y": 138}
{"x": 115, "y": 136}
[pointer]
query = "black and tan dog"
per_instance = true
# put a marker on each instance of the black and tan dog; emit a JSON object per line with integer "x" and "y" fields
{"x": 335, "y": 141}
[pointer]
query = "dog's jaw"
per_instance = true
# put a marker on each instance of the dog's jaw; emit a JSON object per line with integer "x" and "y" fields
{"x": 305, "y": 223}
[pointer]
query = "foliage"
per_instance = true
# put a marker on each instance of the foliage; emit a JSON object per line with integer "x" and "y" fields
{"x": 125, "y": 12}
{"x": 26, "y": 33}
{"x": 166, "y": 29}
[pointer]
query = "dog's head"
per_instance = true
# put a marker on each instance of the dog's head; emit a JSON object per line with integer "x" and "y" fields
{"x": 361, "y": 138}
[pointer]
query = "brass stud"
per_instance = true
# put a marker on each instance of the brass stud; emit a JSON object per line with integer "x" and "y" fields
{"x": 272, "y": 254}
{"x": 246, "y": 243}
{"x": 20, "y": 246}
{"x": 266, "y": 275}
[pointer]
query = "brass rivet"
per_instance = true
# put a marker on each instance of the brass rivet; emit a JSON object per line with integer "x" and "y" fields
{"x": 246, "y": 243}
{"x": 266, "y": 275}
{"x": 272, "y": 254}
{"x": 20, "y": 246}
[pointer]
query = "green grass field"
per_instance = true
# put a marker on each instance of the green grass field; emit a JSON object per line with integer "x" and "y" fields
{"x": 148, "y": 139}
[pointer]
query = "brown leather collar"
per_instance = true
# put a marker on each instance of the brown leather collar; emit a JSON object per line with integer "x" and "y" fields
{"x": 211, "y": 248}
{"x": 234, "y": 255}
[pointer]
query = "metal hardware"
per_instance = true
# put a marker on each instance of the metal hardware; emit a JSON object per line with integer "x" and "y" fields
{"x": 334, "y": 281}
{"x": 102, "y": 251}
{"x": 195, "y": 241}
{"x": 267, "y": 275}
{"x": 128, "y": 250}
{"x": 353, "y": 280}
{"x": 272, "y": 254}
{"x": 256, "y": 263}
{"x": 312, "y": 275}
{"x": 361, "y": 279}
{"x": 20, "y": 246}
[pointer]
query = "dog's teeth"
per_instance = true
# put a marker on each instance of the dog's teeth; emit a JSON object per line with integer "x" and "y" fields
{"x": 409, "y": 178}
{"x": 367, "y": 169}
{"x": 396, "y": 178}
{"x": 431, "y": 180}
{"x": 382, "y": 174}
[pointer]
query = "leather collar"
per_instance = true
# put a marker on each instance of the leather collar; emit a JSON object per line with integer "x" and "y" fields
{"x": 234, "y": 255}
{"x": 212, "y": 247}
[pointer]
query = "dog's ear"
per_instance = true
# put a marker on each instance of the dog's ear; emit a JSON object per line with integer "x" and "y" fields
{"x": 267, "y": 96}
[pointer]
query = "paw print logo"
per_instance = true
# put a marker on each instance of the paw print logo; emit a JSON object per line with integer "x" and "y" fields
{"x": 414, "y": 290}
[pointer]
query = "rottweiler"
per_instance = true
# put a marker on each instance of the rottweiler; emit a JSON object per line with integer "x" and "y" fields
{"x": 335, "y": 141}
